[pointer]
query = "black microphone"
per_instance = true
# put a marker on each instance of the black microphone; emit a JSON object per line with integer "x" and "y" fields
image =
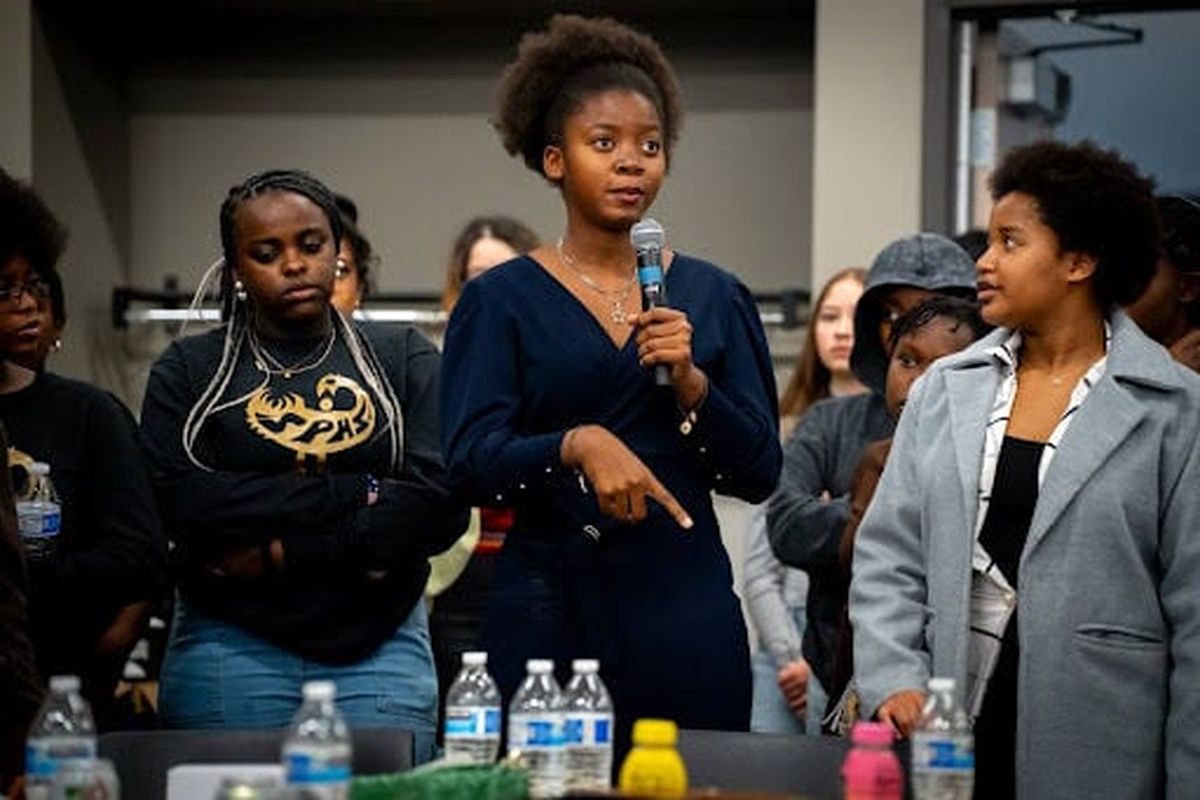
{"x": 648, "y": 239}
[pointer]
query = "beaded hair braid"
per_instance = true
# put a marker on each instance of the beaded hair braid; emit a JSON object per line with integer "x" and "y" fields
{"x": 238, "y": 314}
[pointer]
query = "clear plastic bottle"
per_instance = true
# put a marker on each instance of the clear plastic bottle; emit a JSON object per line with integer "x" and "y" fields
{"x": 587, "y": 729}
{"x": 316, "y": 750}
{"x": 473, "y": 713}
{"x": 61, "y": 742}
{"x": 39, "y": 517}
{"x": 871, "y": 770}
{"x": 943, "y": 747}
{"x": 535, "y": 722}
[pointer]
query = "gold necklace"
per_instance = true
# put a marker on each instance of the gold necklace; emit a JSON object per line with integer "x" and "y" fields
{"x": 616, "y": 297}
{"x": 268, "y": 363}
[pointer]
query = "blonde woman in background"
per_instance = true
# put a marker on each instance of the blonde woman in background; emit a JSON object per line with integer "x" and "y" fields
{"x": 775, "y": 593}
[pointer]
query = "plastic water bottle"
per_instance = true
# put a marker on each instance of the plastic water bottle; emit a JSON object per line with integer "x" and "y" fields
{"x": 39, "y": 517}
{"x": 473, "y": 713}
{"x": 943, "y": 747}
{"x": 587, "y": 730}
{"x": 535, "y": 721}
{"x": 871, "y": 770}
{"x": 316, "y": 751}
{"x": 61, "y": 743}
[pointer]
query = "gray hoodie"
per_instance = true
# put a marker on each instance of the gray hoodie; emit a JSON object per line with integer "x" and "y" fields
{"x": 923, "y": 261}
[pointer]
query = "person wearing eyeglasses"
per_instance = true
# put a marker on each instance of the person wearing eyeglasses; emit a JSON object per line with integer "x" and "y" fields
{"x": 1169, "y": 310}
{"x": 47, "y": 291}
{"x": 89, "y": 592}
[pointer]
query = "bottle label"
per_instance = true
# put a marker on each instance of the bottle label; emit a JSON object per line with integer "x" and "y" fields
{"x": 589, "y": 730}
{"x": 39, "y": 763}
{"x": 309, "y": 768}
{"x": 472, "y": 721}
{"x": 38, "y": 523}
{"x": 942, "y": 754}
{"x": 46, "y": 757}
{"x": 535, "y": 732}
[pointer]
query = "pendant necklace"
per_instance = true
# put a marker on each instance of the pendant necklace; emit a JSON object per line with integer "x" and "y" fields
{"x": 268, "y": 363}
{"x": 616, "y": 297}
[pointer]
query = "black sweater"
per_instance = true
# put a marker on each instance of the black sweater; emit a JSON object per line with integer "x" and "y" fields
{"x": 20, "y": 686}
{"x": 292, "y": 462}
{"x": 111, "y": 551}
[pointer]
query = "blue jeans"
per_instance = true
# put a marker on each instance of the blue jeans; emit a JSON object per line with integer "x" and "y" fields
{"x": 771, "y": 712}
{"x": 217, "y": 675}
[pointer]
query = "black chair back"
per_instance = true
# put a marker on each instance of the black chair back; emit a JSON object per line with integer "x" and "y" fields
{"x": 142, "y": 758}
{"x": 763, "y": 762}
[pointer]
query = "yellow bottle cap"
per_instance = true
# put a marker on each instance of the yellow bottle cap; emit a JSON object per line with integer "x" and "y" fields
{"x": 655, "y": 733}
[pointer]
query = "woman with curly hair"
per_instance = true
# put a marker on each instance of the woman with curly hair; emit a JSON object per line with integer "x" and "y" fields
{"x": 551, "y": 405}
{"x": 91, "y": 587}
{"x": 1034, "y": 532}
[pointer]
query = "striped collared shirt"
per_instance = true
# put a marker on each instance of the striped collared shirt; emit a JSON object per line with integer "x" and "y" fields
{"x": 993, "y": 599}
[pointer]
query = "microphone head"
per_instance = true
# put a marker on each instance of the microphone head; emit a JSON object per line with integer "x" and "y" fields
{"x": 647, "y": 234}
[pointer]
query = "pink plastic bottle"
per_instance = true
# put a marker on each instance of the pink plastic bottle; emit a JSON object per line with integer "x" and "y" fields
{"x": 871, "y": 770}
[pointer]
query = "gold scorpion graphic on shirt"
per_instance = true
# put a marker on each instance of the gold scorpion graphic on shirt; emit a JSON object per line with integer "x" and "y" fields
{"x": 289, "y": 422}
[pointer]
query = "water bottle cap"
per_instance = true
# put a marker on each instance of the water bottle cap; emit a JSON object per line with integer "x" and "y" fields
{"x": 319, "y": 690}
{"x": 655, "y": 732}
{"x": 539, "y": 666}
{"x": 474, "y": 658}
{"x": 586, "y": 665}
{"x": 942, "y": 684}
{"x": 39, "y": 468}
{"x": 61, "y": 684}
{"x": 871, "y": 733}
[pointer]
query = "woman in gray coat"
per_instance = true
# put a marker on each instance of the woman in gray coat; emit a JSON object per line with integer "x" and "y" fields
{"x": 1036, "y": 533}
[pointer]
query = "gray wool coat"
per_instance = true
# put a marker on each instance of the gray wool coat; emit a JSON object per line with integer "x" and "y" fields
{"x": 1109, "y": 593}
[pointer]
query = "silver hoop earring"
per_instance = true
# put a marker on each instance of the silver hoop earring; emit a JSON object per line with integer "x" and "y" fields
{"x": 239, "y": 291}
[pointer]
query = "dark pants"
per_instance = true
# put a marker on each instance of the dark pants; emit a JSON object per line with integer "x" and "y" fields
{"x": 671, "y": 641}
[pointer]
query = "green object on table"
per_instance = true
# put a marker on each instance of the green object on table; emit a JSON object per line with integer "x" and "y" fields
{"x": 465, "y": 782}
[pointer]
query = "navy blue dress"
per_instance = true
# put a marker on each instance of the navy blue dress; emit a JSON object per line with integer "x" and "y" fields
{"x": 524, "y": 362}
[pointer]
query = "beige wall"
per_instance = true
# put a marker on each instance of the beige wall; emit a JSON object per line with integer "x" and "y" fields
{"x": 77, "y": 170}
{"x": 868, "y": 79}
{"x": 134, "y": 150}
{"x": 413, "y": 146}
{"x": 16, "y": 88}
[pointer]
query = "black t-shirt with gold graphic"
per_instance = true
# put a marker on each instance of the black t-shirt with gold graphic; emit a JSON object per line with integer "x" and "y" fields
{"x": 287, "y": 456}
{"x": 111, "y": 551}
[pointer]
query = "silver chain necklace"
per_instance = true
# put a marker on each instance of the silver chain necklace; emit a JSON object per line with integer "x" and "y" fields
{"x": 616, "y": 297}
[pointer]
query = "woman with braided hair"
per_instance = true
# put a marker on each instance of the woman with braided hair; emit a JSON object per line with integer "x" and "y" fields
{"x": 550, "y": 403}
{"x": 296, "y": 461}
